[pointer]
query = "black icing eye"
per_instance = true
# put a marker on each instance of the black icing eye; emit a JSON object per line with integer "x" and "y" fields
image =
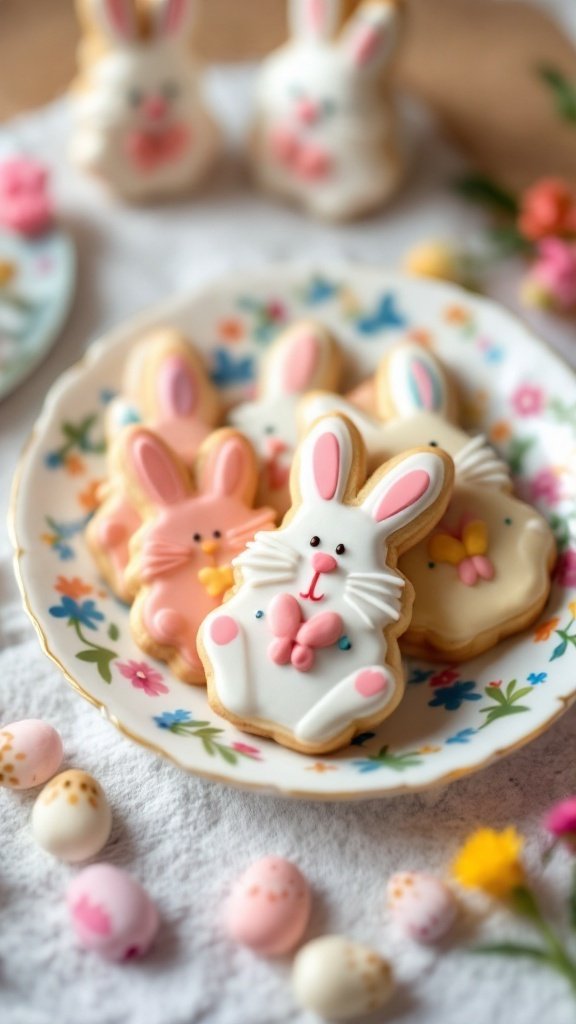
{"x": 135, "y": 97}
{"x": 340, "y": 549}
{"x": 269, "y": 429}
{"x": 170, "y": 90}
{"x": 217, "y": 534}
{"x": 197, "y": 537}
{"x": 433, "y": 444}
{"x": 314, "y": 541}
{"x": 508, "y": 521}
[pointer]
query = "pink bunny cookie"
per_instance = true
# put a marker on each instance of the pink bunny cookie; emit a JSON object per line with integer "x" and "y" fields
{"x": 484, "y": 573}
{"x": 325, "y": 133}
{"x": 180, "y": 557}
{"x": 305, "y": 648}
{"x": 304, "y": 356}
{"x": 140, "y": 123}
{"x": 166, "y": 386}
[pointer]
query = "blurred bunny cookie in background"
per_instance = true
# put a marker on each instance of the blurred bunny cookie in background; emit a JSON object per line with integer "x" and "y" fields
{"x": 166, "y": 387}
{"x": 305, "y": 648}
{"x": 304, "y": 356}
{"x": 193, "y": 526}
{"x": 484, "y": 572}
{"x": 140, "y": 122}
{"x": 326, "y": 132}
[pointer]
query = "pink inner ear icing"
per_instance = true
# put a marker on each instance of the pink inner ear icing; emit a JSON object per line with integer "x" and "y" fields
{"x": 177, "y": 388}
{"x": 119, "y": 17}
{"x": 364, "y": 44}
{"x": 300, "y": 363}
{"x": 227, "y": 471}
{"x": 173, "y": 16}
{"x": 402, "y": 494}
{"x": 315, "y": 12}
{"x": 156, "y": 471}
{"x": 326, "y": 465}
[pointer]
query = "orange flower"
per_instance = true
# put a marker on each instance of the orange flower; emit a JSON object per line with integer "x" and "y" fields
{"x": 74, "y": 465}
{"x": 48, "y": 538}
{"x": 421, "y": 336}
{"x": 231, "y": 329}
{"x": 89, "y": 497}
{"x": 74, "y": 588}
{"x": 500, "y": 430}
{"x": 548, "y": 209}
{"x": 457, "y": 315}
{"x": 545, "y": 630}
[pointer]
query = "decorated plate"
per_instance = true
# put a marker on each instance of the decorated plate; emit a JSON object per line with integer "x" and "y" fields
{"x": 453, "y": 719}
{"x": 36, "y": 289}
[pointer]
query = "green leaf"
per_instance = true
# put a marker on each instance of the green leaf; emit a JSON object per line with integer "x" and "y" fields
{"x": 510, "y": 688}
{"x": 113, "y": 631}
{"x": 226, "y": 754}
{"x": 500, "y": 712}
{"x": 100, "y": 657}
{"x": 562, "y": 89}
{"x": 517, "y": 451}
{"x": 513, "y": 949}
{"x": 208, "y": 745}
{"x": 508, "y": 241}
{"x": 561, "y": 530}
{"x": 559, "y": 651}
{"x": 479, "y": 188}
{"x": 495, "y": 694}
{"x": 518, "y": 694}
{"x": 90, "y": 656}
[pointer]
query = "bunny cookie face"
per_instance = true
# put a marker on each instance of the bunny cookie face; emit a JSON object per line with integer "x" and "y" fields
{"x": 165, "y": 385}
{"x": 180, "y": 564}
{"x": 140, "y": 121}
{"x": 325, "y": 129}
{"x": 303, "y": 357}
{"x": 484, "y": 573}
{"x": 305, "y": 648}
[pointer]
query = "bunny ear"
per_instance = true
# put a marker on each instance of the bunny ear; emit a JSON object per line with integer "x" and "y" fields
{"x": 177, "y": 388}
{"x": 227, "y": 467}
{"x": 369, "y": 37}
{"x": 152, "y": 472}
{"x": 402, "y": 494}
{"x": 164, "y": 375}
{"x": 411, "y": 380}
{"x": 116, "y": 18}
{"x": 329, "y": 462}
{"x": 172, "y": 18}
{"x": 314, "y": 20}
{"x": 303, "y": 357}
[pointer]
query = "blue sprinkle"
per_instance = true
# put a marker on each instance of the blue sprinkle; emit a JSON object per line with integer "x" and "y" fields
{"x": 344, "y": 643}
{"x": 259, "y": 614}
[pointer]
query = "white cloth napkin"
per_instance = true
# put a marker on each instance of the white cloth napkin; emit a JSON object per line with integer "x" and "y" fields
{"x": 186, "y": 839}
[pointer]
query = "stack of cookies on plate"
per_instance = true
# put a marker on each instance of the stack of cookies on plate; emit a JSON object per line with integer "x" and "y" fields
{"x": 281, "y": 551}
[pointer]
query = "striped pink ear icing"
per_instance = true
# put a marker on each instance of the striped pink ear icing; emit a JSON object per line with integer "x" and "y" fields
{"x": 173, "y": 15}
{"x": 301, "y": 363}
{"x": 177, "y": 388}
{"x": 402, "y": 494}
{"x": 326, "y": 465}
{"x": 364, "y": 44}
{"x": 316, "y": 13}
{"x": 119, "y": 16}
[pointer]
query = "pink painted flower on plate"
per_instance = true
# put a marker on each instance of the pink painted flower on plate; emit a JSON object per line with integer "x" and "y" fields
{"x": 247, "y": 750}
{"x": 561, "y": 821}
{"x": 25, "y": 203}
{"x": 445, "y": 677}
{"x": 143, "y": 677}
{"x": 528, "y": 400}
{"x": 545, "y": 485}
{"x": 552, "y": 277}
{"x": 566, "y": 569}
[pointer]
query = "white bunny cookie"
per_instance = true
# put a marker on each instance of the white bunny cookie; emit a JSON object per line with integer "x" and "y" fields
{"x": 305, "y": 356}
{"x": 140, "y": 123}
{"x": 325, "y": 130}
{"x": 166, "y": 386}
{"x": 484, "y": 573}
{"x": 305, "y": 648}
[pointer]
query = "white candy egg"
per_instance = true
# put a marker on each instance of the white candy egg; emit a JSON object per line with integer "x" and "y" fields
{"x": 71, "y": 818}
{"x": 340, "y": 979}
{"x": 423, "y": 906}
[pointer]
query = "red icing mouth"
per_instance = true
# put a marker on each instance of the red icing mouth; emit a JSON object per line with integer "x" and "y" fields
{"x": 310, "y": 595}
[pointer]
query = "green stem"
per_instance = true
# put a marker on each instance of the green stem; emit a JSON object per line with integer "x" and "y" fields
{"x": 84, "y": 639}
{"x": 525, "y": 903}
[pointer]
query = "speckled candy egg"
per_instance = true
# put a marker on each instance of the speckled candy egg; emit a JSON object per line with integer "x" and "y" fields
{"x": 340, "y": 979}
{"x": 269, "y": 907}
{"x": 423, "y": 906}
{"x": 30, "y": 753}
{"x": 71, "y": 818}
{"x": 111, "y": 913}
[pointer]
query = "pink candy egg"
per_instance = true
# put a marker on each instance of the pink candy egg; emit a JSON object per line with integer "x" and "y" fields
{"x": 423, "y": 906}
{"x": 269, "y": 907}
{"x": 111, "y": 913}
{"x": 30, "y": 753}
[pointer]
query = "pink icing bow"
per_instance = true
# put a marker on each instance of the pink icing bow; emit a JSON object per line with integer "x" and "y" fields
{"x": 294, "y": 640}
{"x": 150, "y": 149}
{"x": 306, "y": 160}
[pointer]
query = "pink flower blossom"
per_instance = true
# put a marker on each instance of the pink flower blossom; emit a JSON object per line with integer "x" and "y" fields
{"x": 247, "y": 750}
{"x": 528, "y": 400}
{"x": 25, "y": 205}
{"x": 546, "y": 485}
{"x": 445, "y": 677}
{"x": 566, "y": 569}
{"x": 143, "y": 677}
{"x": 552, "y": 278}
{"x": 561, "y": 821}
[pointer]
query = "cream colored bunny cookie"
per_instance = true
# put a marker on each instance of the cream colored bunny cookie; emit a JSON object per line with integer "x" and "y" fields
{"x": 305, "y": 648}
{"x": 166, "y": 386}
{"x": 305, "y": 356}
{"x": 140, "y": 122}
{"x": 326, "y": 131}
{"x": 484, "y": 572}
{"x": 193, "y": 524}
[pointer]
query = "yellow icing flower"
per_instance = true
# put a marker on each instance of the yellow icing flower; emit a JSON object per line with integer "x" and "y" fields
{"x": 216, "y": 580}
{"x": 490, "y": 861}
{"x": 434, "y": 259}
{"x": 466, "y": 550}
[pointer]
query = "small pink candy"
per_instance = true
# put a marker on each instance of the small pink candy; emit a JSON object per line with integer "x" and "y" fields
{"x": 269, "y": 907}
{"x": 422, "y": 905}
{"x": 30, "y": 753}
{"x": 25, "y": 203}
{"x": 111, "y": 913}
{"x": 561, "y": 821}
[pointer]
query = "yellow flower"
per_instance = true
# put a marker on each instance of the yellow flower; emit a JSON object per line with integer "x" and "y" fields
{"x": 7, "y": 272}
{"x": 572, "y": 609}
{"x": 434, "y": 259}
{"x": 490, "y": 861}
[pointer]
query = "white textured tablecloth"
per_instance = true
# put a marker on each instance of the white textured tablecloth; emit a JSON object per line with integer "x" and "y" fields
{"x": 187, "y": 839}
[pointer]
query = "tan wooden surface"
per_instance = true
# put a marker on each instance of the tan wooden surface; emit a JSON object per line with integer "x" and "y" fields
{"x": 473, "y": 60}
